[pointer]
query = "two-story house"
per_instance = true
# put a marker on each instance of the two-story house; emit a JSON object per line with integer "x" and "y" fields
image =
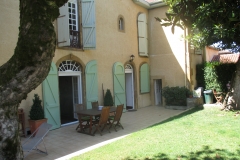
{"x": 116, "y": 45}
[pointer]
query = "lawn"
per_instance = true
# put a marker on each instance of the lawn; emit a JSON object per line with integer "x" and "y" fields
{"x": 196, "y": 134}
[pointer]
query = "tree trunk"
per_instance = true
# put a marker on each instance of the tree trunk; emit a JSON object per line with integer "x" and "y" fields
{"x": 26, "y": 69}
{"x": 236, "y": 88}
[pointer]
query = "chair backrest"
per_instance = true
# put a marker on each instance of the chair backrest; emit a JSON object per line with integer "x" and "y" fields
{"x": 119, "y": 111}
{"x": 78, "y": 107}
{"x": 43, "y": 129}
{"x": 104, "y": 115}
{"x": 95, "y": 105}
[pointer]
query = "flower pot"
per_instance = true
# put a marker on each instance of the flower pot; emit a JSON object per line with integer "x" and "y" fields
{"x": 34, "y": 124}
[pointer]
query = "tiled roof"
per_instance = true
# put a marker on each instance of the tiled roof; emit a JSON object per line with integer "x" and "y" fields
{"x": 152, "y": 1}
{"x": 226, "y": 58}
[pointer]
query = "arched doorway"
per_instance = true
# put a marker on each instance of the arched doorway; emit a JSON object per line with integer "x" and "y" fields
{"x": 129, "y": 87}
{"x": 70, "y": 90}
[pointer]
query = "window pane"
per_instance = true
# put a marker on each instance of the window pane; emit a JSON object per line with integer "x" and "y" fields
{"x": 74, "y": 22}
{"x": 121, "y": 24}
{"x": 73, "y": 5}
{"x": 74, "y": 16}
{"x": 69, "y": 4}
{"x": 74, "y": 28}
{"x": 70, "y": 21}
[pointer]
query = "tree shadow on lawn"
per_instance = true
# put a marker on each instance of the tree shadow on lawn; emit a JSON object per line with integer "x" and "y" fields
{"x": 190, "y": 111}
{"x": 205, "y": 154}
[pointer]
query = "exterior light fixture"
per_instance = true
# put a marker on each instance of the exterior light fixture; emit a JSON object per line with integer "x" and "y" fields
{"x": 131, "y": 58}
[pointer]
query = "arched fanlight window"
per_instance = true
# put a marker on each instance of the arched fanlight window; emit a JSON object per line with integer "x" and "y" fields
{"x": 69, "y": 65}
{"x": 128, "y": 66}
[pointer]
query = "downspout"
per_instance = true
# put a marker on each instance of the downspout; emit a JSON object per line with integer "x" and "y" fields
{"x": 185, "y": 48}
{"x": 186, "y": 58}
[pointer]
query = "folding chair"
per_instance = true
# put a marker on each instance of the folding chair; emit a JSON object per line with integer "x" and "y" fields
{"x": 116, "y": 118}
{"x": 102, "y": 123}
{"x": 32, "y": 142}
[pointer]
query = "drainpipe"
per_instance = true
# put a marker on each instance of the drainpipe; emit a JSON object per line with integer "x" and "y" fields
{"x": 185, "y": 58}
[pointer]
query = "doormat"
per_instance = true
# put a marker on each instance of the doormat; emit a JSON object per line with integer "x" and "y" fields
{"x": 130, "y": 110}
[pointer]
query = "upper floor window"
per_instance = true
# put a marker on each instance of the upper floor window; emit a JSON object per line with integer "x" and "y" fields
{"x": 142, "y": 35}
{"x": 70, "y": 32}
{"x": 121, "y": 24}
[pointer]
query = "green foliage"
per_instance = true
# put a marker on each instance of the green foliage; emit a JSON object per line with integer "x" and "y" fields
{"x": 176, "y": 96}
{"x": 217, "y": 75}
{"x": 108, "y": 99}
{"x": 209, "y": 22}
{"x": 36, "y": 111}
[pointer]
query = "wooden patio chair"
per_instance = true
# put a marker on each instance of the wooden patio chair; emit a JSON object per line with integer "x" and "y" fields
{"x": 103, "y": 121}
{"x": 95, "y": 106}
{"x": 115, "y": 121}
{"x": 84, "y": 119}
{"x": 31, "y": 143}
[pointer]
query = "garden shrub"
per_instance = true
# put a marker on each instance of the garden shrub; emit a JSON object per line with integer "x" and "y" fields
{"x": 108, "y": 99}
{"x": 176, "y": 96}
{"x": 217, "y": 75}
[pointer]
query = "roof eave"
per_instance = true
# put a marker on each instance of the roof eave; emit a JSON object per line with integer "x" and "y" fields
{"x": 147, "y": 5}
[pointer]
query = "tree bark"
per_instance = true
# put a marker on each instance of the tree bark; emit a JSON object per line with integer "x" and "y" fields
{"x": 26, "y": 69}
{"x": 236, "y": 88}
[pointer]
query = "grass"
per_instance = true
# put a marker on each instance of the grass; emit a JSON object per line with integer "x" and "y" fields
{"x": 194, "y": 135}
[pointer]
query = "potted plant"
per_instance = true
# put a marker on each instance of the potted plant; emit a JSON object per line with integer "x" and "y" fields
{"x": 108, "y": 99}
{"x": 36, "y": 114}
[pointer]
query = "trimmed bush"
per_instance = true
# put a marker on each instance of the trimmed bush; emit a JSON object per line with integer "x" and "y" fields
{"x": 176, "y": 96}
{"x": 108, "y": 99}
{"x": 36, "y": 111}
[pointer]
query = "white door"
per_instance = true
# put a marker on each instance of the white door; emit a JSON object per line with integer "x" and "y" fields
{"x": 129, "y": 87}
{"x": 158, "y": 89}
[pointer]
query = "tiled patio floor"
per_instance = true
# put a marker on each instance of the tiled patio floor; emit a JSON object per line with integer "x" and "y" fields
{"x": 66, "y": 142}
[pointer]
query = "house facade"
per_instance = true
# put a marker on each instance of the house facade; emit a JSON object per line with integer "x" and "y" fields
{"x": 116, "y": 45}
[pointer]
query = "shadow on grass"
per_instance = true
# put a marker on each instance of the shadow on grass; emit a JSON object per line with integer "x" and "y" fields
{"x": 190, "y": 111}
{"x": 205, "y": 154}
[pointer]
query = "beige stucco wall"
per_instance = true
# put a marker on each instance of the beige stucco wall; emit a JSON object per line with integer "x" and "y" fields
{"x": 210, "y": 52}
{"x": 167, "y": 52}
{"x": 111, "y": 45}
{"x": 9, "y": 22}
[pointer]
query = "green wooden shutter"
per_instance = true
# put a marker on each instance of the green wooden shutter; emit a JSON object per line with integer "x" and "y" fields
{"x": 88, "y": 24}
{"x": 144, "y": 78}
{"x": 51, "y": 97}
{"x": 119, "y": 84}
{"x": 142, "y": 35}
{"x": 91, "y": 83}
{"x": 63, "y": 26}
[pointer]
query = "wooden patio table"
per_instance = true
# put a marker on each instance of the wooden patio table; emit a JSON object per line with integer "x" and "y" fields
{"x": 91, "y": 113}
